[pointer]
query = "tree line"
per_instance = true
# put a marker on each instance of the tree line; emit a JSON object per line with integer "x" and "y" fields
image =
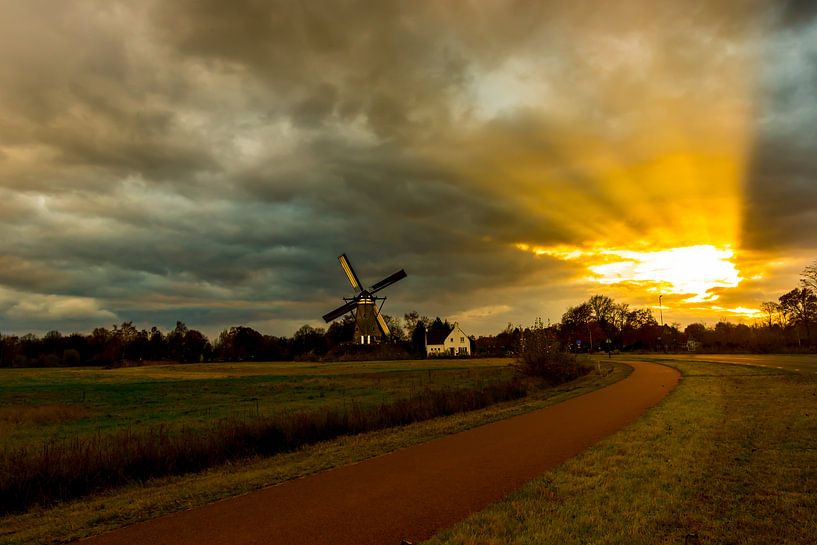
{"x": 788, "y": 324}
{"x": 598, "y": 324}
{"x": 124, "y": 344}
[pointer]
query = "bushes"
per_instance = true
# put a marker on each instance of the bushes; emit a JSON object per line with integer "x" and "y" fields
{"x": 65, "y": 469}
{"x": 542, "y": 356}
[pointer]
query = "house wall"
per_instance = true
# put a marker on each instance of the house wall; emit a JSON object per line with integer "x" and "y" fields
{"x": 435, "y": 349}
{"x": 456, "y": 344}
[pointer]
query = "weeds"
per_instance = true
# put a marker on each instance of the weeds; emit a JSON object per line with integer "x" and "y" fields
{"x": 42, "y": 414}
{"x": 70, "y": 468}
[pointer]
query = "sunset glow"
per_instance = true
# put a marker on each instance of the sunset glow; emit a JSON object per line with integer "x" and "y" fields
{"x": 514, "y": 158}
{"x": 692, "y": 271}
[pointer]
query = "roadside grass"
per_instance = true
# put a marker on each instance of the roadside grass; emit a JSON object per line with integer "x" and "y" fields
{"x": 67, "y": 469}
{"x": 728, "y": 457}
{"x": 97, "y": 401}
{"x": 137, "y": 502}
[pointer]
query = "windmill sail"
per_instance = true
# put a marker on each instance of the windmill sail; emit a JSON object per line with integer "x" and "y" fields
{"x": 370, "y": 325}
{"x": 350, "y": 272}
{"x": 384, "y": 328}
{"x": 388, "y": 281}
{"x": 340, "y": 311}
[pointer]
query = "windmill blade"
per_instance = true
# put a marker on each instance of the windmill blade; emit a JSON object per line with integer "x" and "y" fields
{"x": 381, "y": 322}
{"x": 388, "y": 281}
{"x": 340, "y": 311}
{"x": 350, "y": 272}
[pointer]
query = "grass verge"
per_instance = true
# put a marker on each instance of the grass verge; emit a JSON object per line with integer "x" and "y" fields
{"x": 728, "y": 457}
{"x": 137, "y": 502}
{"x": 66, "y": 469}
{"x": 38, "y": 406}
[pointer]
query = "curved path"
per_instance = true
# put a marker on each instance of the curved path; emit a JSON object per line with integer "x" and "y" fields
{"x": 415, "y": 492}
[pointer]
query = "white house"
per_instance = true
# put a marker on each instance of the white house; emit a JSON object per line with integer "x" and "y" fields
{"x": 453, "y": 343}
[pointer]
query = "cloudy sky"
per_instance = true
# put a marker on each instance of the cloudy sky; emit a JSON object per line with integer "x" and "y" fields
{"x": 208, "y": 161}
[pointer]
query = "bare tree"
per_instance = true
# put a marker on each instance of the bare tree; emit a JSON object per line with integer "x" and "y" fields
{"x": 808, "y": 278}
{"x": 771, "y": 309}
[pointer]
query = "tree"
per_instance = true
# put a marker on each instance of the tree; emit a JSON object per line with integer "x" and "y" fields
{"x": 175, "y": 342}
{"x": 196, "y": 347}
{"x": 395, "y": 327}
{"x": 128, "y": 335}
{"x": 696, "y": 332}
{"x": 576, "y": 324}
{"x": 602, "y": 308}
{"x": 439, "y": 326}
{"x": 542, "y": 356}
{"x": 808, "y": 278}
{"x": 800, "y": 307}
{"x": 410, "y": 320}
{"x": 341, "y": 331}
{"x": 771, "y": 309}
{"x": 156, "y": 347}
{"x": 309, "y": 340}
{"x": 239, "y": 344}
{"x": 418, "y": 338}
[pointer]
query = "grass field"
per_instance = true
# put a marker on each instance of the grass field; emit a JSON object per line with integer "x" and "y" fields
{"x": 729, "y": 457}
{"x": 38, "y": 405}
{"x": 141, "y": 501}
{"x": 170, "y": 421}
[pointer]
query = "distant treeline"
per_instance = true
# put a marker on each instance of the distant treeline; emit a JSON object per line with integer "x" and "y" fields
{"x": 126, "y": 345}
{"x": 599, "y": 324}
{"x": 788, "y": 325}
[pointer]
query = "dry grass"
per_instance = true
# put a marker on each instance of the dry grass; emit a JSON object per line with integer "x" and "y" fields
{"x": 12, "y": 417}
{"x": 134, "y": 503}
{"x": 196, "y": 395}
{"x": 71, "y": 468}
{"x": 728, "y": 457}
{"x": 42, "y": 414}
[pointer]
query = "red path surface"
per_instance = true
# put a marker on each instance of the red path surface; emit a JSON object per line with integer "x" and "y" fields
{"x": 415, "y": 492}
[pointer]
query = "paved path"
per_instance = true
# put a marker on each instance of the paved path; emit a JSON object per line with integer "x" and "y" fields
{"x": 415, "y": 492}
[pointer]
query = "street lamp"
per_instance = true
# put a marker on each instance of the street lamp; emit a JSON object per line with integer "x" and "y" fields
{"x": 661, "y": 313}
{"x": 661, "y": 309}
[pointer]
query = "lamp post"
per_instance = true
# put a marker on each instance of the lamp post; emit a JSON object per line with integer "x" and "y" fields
{"x": 661, "y": 313}
{"x": 661, "y": 309}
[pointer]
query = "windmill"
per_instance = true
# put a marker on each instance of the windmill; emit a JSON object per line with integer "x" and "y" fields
{"x": 369, "y": 323}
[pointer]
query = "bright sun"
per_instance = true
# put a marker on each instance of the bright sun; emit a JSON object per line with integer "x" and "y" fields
{"x": 691, "y": 271}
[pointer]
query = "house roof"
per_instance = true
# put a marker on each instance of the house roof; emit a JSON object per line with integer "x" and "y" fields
{"x": 438, "y": 336}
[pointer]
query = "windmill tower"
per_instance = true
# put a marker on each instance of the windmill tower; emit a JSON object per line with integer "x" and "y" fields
{"x": 369, "y": 323}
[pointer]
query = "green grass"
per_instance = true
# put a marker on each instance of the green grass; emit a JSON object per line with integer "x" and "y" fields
{"x": 730, "y": 456}
{"x": 39, "y": 405}
{"x": 106, "y": 511}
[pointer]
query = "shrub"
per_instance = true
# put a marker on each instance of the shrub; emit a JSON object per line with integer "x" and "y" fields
{"x": 542, "y": 356}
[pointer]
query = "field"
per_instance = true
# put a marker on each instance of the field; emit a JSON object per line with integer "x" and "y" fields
{"x": 232, "y": 387}
{"x": 729, "y": 457}
{"x": 39, "y": 405}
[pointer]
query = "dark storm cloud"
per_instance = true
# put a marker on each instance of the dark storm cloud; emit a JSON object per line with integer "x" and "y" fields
{"x": 206, "y": 161}
{"x": 782, "y": 175}
{"x": 798, "y": 12}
